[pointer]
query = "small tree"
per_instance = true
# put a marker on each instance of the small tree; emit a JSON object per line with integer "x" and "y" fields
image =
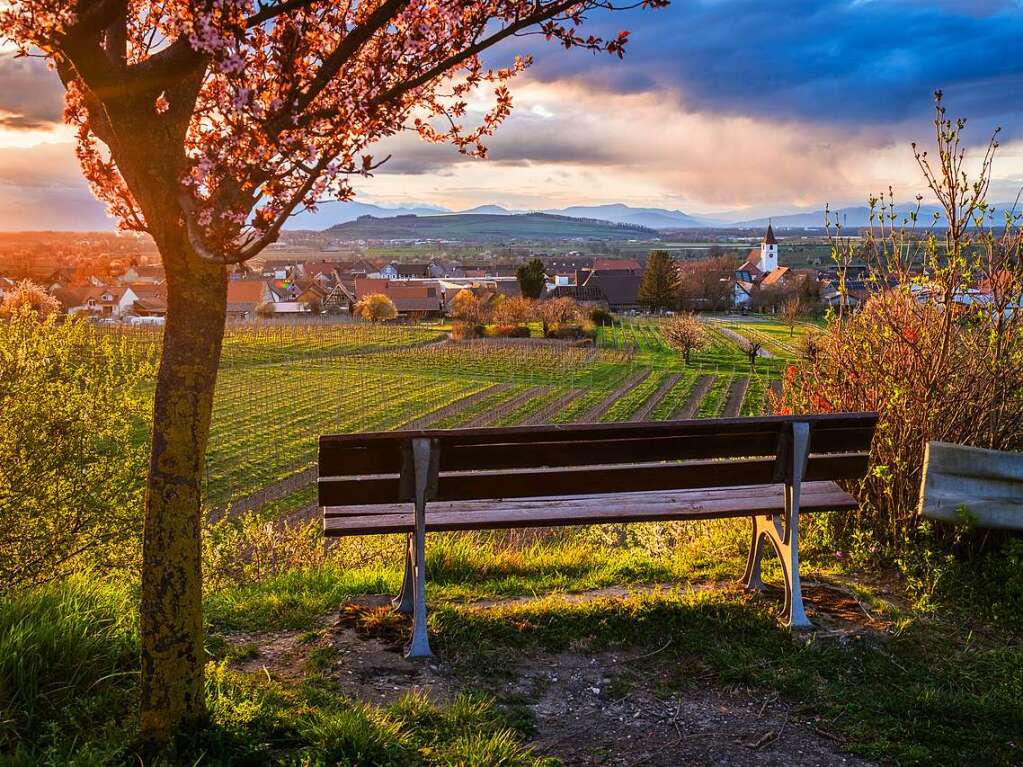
{"x": 752, "y": 349}
{"x": 707, "y": 283}
{"x": 790, "y": 313}
{"x": 532, "y": 278}
{"x": 557, "y": 312}
{"x": 376, "y": 307}
{"x": 659, "y": 287}
{"x": 265, "y": 309}
{"x": 466, "y": 306}
{"x": 685, "y": 333}
{"x": 515, "y": 311}
{"x": 28, "y": 296}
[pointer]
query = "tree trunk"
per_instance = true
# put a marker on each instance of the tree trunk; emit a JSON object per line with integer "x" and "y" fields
{"x": 171, "y": 622}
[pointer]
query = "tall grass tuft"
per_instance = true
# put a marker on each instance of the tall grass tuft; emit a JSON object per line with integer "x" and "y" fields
{"x": 68, "y": 646}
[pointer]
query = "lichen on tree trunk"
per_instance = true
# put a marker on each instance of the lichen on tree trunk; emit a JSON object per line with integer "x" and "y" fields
{"x": 172, "y": 689}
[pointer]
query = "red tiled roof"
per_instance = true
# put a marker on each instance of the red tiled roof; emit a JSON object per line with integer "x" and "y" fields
{"x": 245, "y": 291}
{"x": 774, "y": 277}
{"x": 616, "y": 265}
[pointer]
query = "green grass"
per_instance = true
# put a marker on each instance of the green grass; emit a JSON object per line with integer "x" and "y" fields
{"x": 633, "y": 400}
{"x": 942, "y": 685}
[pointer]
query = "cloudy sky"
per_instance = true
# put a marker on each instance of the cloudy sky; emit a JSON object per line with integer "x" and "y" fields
{"x": 759, "y": 106}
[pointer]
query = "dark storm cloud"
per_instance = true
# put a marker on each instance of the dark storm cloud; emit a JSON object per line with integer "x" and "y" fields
{"x": 31, "y": 97}
{"x": 868, "y": 61}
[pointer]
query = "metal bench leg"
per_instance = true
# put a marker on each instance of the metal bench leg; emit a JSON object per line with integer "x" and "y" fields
{"x": 788, "y": 544}
{"x": 419, "y": 646}
{"x": 751, "y": 578}
{"x": 782, "y": 530}
{"x": 403, "y": 603}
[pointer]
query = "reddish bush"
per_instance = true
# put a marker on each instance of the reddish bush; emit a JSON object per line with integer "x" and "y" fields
{"x": 893, "y": 357}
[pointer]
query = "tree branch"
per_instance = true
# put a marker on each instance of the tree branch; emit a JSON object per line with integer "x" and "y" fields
{"x": 269, "y": 12}
{"x": 470, "y": 51}
{"x": 348, "y": 47}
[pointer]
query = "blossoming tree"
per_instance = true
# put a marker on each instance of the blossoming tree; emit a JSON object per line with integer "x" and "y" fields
{"x": 206, "y": 124}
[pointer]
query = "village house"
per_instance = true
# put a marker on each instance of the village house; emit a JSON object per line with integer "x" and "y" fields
{"x": 417, "y": 297}
{"x": 244, "y": 296}
{"x": 760, "y": 271}
{"x": 142, "y": 275}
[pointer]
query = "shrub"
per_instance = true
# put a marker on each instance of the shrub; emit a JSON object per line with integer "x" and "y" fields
{"x": 510, "y": 331}
{"x": 893, "y": 357}
{"x": 73, "y": 445}
{"x": 27, "y": 296}
{"x": 601, "y": 317}
{"x": 376, "y": 307}
{"x": 936, "y": 357}
{"x": 461, "y": 331}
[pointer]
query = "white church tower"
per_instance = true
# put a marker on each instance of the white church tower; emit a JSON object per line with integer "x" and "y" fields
{"x": 769, "y": 252}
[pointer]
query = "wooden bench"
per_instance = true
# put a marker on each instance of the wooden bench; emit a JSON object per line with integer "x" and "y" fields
{"x": 769, "y": 469}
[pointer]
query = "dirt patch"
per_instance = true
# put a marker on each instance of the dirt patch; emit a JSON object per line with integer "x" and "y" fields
{"x": 736, "y": 396}
{"x": 602, "y": 710}
{"x": 623, "y": 708}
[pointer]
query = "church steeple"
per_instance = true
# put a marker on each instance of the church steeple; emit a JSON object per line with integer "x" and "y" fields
{"x": 769, "y": 251}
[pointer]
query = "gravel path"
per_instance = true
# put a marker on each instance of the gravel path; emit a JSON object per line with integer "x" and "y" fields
{"x": 741, "y": 340}
{"x": 655, "y": 399}
{"x": 275, "y": 491}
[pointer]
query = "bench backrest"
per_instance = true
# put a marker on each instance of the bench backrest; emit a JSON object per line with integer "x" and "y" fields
{"x": 580, "y": 459}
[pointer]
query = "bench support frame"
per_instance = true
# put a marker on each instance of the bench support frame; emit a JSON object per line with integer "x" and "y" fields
{"x": 404, "y": 602}
{"x": 782, "y": 531}
{"x": 425, "y": 466}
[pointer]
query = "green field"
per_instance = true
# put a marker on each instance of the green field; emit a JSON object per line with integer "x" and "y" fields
{"x": 283, "y": 385}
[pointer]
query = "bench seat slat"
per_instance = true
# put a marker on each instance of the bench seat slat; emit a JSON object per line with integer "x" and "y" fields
{"x": 708, "y": 495}
{"x": 586, "y": 509}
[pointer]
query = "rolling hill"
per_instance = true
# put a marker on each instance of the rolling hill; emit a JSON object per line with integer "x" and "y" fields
{"x": 479, "y": 227}
{"x": 857, "y": 217}
{"x": 654, "y": 218}
{"x": 331, "y": 212}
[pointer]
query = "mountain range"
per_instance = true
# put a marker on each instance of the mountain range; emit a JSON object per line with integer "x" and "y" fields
{"x": 332, "y": 213}
{"x": 484, "y": 227}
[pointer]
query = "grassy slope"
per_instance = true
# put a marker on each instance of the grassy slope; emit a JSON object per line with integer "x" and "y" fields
{"x": 931, "y": 689}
